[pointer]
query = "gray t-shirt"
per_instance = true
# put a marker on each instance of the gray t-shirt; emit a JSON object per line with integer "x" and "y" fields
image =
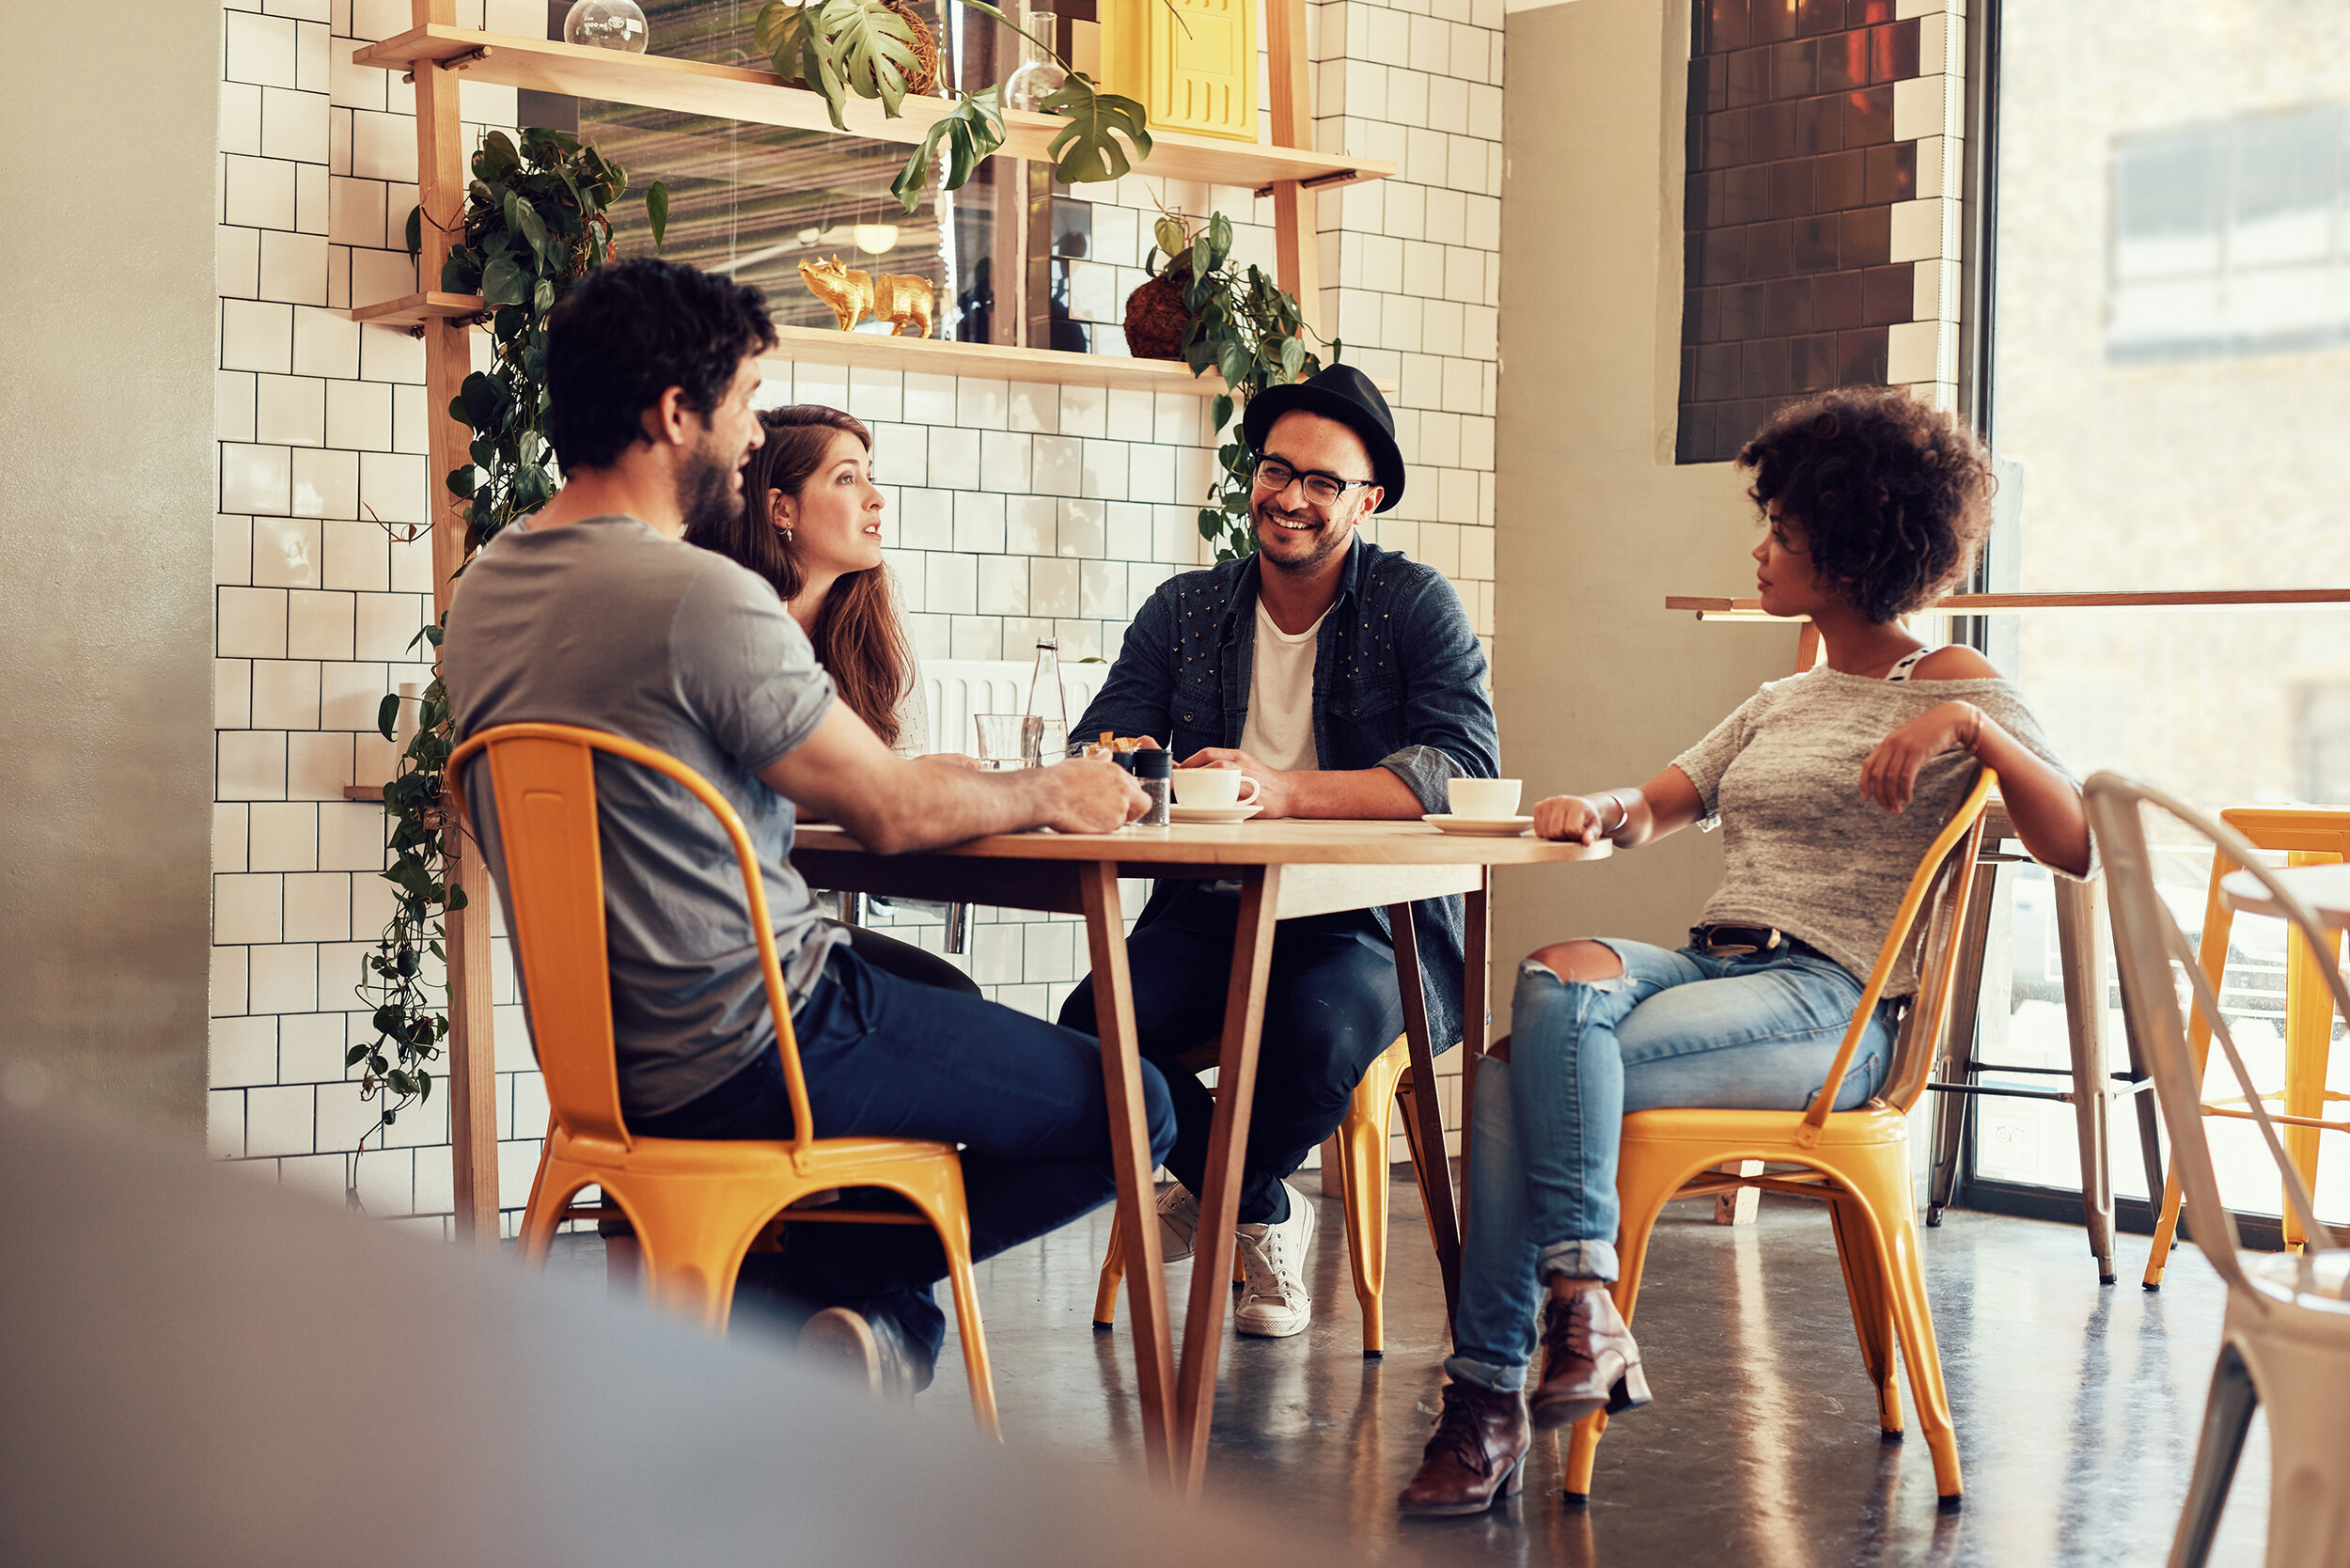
{"x": 605, "y": 624}
{"x": 1805, "y": 851}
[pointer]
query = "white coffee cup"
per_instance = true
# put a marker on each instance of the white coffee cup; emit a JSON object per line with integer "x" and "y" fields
{"x": 1485, "y": 799}
{"x": 1212, "y": 787}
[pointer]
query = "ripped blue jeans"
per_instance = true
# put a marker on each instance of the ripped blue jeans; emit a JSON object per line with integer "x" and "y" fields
{"x": 1755, "y": 1032}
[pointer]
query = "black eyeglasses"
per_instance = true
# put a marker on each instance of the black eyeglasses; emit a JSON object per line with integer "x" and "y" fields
{"x": 1322, "y": 490}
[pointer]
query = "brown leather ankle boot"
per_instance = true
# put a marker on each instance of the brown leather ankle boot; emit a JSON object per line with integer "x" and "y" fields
{"x": 1477, "y": 1456}
{"x": 1590, "y": 1362}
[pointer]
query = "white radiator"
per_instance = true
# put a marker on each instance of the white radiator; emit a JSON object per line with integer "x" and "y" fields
{"x": 958, "y": 688}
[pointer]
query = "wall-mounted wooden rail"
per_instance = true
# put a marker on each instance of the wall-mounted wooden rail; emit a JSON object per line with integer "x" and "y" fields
{"x": 1712, "y": 608}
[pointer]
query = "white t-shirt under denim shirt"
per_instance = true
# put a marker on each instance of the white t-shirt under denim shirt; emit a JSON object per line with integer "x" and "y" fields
{"x": 605, "y": 624}
{"x": 1805, "y": 851}
{"x": 1280, "y": 729}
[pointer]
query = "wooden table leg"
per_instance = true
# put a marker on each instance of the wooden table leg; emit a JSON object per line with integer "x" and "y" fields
{"x": 2082, "y": 956}
{"x": 1219, "y": 1204}
{"x": 1444, "y": 1215}
{"x": 1476, "y": 995}
{"x": 1130, "y": 1153}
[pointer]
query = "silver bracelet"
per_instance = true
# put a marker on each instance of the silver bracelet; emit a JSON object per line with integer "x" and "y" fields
{"x": 1612, "y": 832}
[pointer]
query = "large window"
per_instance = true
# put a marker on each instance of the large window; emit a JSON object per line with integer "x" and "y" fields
{"x": 2167, "y": 376}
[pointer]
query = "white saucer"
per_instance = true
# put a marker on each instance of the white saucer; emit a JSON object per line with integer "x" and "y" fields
{"x": 1482, "y": 827}
{"x": 1213, "y": 814}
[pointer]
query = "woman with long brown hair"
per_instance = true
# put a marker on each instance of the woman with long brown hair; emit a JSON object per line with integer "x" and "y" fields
{"x": 811, "y": 525}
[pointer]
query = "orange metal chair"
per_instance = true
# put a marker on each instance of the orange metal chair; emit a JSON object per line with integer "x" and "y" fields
{"x": 696, "y": 1205}
{"x": 2305, "y": 838}
{"x": 1857, "y": 1160}
{"x": 1362, "y": 1140}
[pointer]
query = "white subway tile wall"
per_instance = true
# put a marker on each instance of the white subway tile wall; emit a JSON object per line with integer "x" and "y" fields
{"x": 1020, "y": 510}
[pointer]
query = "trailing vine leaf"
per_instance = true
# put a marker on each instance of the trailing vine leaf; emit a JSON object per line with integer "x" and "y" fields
{"x": 1085, "y": 148}
{"x": 657, "y": 211}
{"x": 972, "y": 130}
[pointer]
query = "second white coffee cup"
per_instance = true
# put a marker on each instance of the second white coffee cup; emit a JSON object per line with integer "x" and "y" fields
{"x": 1212, "y": 787}
{"x": 1486, "y": 799}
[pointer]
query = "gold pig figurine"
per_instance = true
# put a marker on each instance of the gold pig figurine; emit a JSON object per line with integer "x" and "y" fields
{"x": 897, "y": 298}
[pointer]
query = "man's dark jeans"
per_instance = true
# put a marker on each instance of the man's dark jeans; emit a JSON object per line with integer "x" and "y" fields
{"x": 1331, "y": 1007}
{"x": 886, "y": 1058}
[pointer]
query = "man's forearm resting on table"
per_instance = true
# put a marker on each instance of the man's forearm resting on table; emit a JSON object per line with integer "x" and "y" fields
{"x": 1367, "y": 794}
{"x": 892, "y": 805}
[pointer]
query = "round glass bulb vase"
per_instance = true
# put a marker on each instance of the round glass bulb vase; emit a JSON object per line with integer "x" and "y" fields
{"x": 608, "y": 24}
{"x": 1040, "y": 75}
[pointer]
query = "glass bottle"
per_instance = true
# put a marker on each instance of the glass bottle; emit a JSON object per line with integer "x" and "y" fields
{"x": 1048, "y": 705}
{"x": 1039, "y": 75}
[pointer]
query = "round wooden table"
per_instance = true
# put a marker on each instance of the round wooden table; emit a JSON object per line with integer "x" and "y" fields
{"x": 1286, "y": 869}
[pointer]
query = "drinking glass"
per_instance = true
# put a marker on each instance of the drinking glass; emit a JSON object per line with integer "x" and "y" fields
{"x": 1010, "y": 741}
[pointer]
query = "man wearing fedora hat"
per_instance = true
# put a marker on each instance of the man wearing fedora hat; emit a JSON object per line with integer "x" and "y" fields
{"x": 1347, "y": 681}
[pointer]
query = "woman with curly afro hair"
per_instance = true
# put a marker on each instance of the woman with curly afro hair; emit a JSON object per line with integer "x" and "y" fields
{"x": 1828, "y": 788}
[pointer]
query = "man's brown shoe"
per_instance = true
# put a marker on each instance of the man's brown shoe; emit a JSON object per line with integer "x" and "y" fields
{"x": 1589, "y": 1363}
{"x": 1477, "y": 1457}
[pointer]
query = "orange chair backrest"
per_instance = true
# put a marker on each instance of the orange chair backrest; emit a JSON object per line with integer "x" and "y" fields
{"x": 1939, "y": 887}
{"x": 542, "y": 781}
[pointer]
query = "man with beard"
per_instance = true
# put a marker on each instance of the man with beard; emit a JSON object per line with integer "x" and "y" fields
{"x": 592, "y": 611}
{"x": 1347, "y": 681}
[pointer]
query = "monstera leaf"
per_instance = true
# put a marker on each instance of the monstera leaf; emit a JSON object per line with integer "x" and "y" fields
{"x": 969, "y": 134}
{"x": 840, "y": 47}
{"x": 1085, "y": 148}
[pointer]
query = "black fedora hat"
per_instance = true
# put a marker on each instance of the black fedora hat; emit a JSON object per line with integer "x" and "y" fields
{"x": 1344, "y": 394}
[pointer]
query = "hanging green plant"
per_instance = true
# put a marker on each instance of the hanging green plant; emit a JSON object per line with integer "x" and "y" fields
{"x": 1249, "y": 330}
{"x": 869, "y": 48}
{"x": 537, "y": 219}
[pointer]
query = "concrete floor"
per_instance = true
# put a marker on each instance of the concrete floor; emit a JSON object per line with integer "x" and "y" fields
{"x": 2077, "y": 1406}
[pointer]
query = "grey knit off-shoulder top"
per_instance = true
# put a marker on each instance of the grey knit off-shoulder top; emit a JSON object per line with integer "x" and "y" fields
{"x": 1807, "y": 851}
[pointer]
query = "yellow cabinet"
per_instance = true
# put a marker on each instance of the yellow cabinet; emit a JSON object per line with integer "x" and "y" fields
{"x": 1197, "y": 76}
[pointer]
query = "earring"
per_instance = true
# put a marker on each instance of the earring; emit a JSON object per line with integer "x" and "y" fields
{"x": 788, "y": 535}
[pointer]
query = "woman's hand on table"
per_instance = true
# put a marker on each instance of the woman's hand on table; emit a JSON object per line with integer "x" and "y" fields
{"x": 1890, "y": 776}
{"x": 1568, "y": 818}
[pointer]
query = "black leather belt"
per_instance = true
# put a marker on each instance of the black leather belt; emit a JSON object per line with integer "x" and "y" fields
{"x": 1729, "y": 941}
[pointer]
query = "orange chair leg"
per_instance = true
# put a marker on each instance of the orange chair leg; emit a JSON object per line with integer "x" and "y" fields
{"x": 1871, "y": 1306}
{"x": 1113, "y": 1273}
{"x": 2309, "y": 1032}
{"x": 1644, "y": 1180}
{"x": 1363, "y": 1185}
{"x": 944, "y": 1207}
{"x": 1878, "y": 1178}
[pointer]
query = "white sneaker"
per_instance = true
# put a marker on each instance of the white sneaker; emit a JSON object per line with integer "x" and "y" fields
{"x": 1179, "y": 1223}
{"x": 1273, "y": 1301}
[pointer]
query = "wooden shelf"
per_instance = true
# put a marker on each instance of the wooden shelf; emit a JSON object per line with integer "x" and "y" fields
{"x": 414, "y": 310}
{"x": 939, "y": 356}
{"x": 873, "y": 351}
{"x": 1709, "y": 608}
{"x": 760, "y": 97}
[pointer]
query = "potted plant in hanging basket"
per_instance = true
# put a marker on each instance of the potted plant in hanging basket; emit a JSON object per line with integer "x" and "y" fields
{"x": 1235, "y": 321}
{"x": 1158, "y": 318}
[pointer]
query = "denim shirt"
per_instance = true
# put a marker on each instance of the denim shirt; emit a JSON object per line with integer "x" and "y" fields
{"x": 1398, "y": 684}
